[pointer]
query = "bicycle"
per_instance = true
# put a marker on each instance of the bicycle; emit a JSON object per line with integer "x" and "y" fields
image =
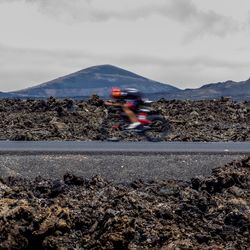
{"x": 154, "y": 127}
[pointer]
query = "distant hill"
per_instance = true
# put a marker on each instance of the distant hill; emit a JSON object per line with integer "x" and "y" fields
{"x": 5, "y": 95}
{"x": 235, "y": 90}
{"x": 95, "y": 80}
{"x": 100, "y": 79}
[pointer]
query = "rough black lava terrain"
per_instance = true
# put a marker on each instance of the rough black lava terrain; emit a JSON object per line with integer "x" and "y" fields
{"x": 76, "y": 213}
{"x": 55, "y": 119}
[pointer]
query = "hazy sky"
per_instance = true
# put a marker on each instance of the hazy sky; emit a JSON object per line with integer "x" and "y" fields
{"x": 186, "y": 43}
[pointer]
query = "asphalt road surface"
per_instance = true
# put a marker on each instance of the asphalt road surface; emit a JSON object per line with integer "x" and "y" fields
{"x": 119, "y": 162}
{"x": 123, "y": 147}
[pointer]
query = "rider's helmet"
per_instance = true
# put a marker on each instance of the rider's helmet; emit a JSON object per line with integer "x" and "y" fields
{"x": 116, "y": 93}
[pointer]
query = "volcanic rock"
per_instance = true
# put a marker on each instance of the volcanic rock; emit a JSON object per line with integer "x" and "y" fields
{"x": 55, "y": 119}
{"x": 73, "y": 213}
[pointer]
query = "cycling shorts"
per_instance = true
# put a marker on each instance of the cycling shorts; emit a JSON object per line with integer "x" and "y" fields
{"x": 133, "y": 104}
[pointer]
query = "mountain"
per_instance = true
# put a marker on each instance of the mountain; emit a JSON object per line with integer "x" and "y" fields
{"x": 95, "y": 80}
{"x": 5, "y": 95}
{"x": 235, "y": 90}
{"x": 100, "y": 79}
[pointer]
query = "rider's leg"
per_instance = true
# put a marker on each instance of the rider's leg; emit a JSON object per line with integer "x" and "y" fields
{"x": 131, "y": 115}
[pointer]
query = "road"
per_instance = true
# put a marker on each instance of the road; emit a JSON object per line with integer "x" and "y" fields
{"x": 123, "y": 147}
{"x": 117, "y": 161}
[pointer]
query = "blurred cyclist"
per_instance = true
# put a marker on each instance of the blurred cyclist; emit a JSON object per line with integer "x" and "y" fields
{"x": 132, "y": 99}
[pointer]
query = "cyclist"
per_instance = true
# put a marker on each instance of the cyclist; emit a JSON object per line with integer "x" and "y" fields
{"x": 131, "y": 98}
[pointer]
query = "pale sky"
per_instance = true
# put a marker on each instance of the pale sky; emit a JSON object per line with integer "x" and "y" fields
{"x": 186, "y": 43}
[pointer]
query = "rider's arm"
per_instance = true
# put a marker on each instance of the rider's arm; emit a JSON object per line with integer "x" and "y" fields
{"x": 114, "y": 104}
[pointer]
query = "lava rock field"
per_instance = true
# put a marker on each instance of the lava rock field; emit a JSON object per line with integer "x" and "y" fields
{"x": 55, "y": 119}
{"x": 75, "y": 213}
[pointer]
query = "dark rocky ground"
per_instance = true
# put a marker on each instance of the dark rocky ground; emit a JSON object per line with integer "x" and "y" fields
{"x": 75, "y": 213}
{"x": 54, "y": 119}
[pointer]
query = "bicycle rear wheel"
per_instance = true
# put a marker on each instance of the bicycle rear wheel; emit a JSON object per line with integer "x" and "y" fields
{"x": 158, "y": 129}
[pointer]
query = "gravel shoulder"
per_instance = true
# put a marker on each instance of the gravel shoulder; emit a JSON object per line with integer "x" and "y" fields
{"x": 116, "y": 167}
